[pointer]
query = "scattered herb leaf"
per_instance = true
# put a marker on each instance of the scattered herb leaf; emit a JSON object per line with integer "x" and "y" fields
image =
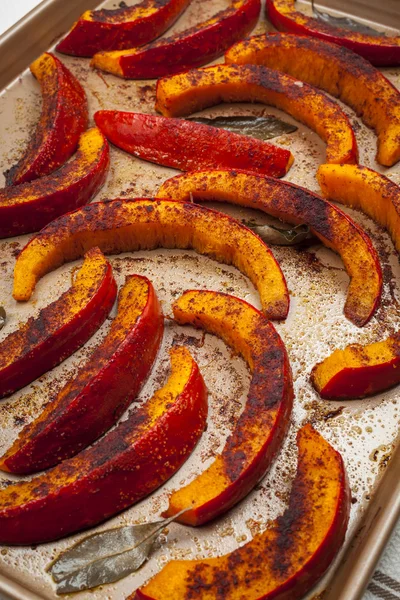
{"x": 279, "y": 236}
{"x": 105, "y": 557}
{"x": 262, "y": 128}
{"x": 345, "y": 23}
{"x": 3, "y": 317}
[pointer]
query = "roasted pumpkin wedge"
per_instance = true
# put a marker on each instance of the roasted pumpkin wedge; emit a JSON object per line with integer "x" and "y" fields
{"x": 263, "y": 424}
{"x": 189, "y": 92}
{"x": 190, "y": 48}
{"x": 30, "y": 206}
{"x": 91, "y": 403}
{"x": 64, "y": 118}
{"x": 187, "y": 146}
{"x": 60, "y": 328}
{"x": 294, "y": 204}
{"x": 379, "y": 50}
{"x": 359, "y": 371}
{"x": 290, "y": 556}
{"x": 124, "y": 466}
{"x": 128, "y": 225}
{"x": 123, "y": 27}
{"x": 336, "y": 70}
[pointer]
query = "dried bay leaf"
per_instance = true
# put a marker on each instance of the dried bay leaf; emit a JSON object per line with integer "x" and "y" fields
{"x": 262, "y": 128}
{"x": 281, "y": 236}
{"x": 345, "y": 23}
{"x": 3, "y": 317}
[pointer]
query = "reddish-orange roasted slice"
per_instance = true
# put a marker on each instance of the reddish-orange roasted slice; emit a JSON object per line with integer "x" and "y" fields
{"x": 60, "y": 328}
{"x": 144, "y": 223}
{"x": 189, "y": 92}
{"x": 189, "y": 146}
{"x": 119, "y": 28}
{"x": 263, "y": 424}
{"x": 379, "y": 50}
{"x": 124, "y": 466}
{"x": 30, "y": 206}
{"x": 285, "y": 561}
{"x": 294, "y": 204}
{"x": 359, "y": 371}
{"x": 196, "y": 46}
{"x": 91, "y": 403}
{"x": 336, "y": 70}
{"x": 64, "y": 117}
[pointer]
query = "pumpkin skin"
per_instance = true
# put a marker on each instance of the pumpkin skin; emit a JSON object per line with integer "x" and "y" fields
{"x": 121, "y": 28}
{"x": 63, "y": 119}
{"x": 338, "y": 71}
{"x": 381, "y": 52}
{"x": 285, "y": 561}
{"x": 121, "y": 468}
{"x": 183, "y": 94}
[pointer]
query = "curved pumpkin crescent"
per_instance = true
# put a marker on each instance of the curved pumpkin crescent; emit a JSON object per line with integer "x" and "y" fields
{"x": 339, "y": 72}
{"x": 359, "y": 371}
{"x": 63, "y": 119}
{"x": 263, "y": 424}
{"x": 294, "y": 204}
{"x": 380, "y": 51}
{"x": 189, "y": 92}
{"x": 290, "y": 556}
{"x": 129, "y": 225}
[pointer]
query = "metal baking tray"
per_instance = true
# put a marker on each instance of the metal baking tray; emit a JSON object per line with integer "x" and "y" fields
{"x": 365, "y": 432}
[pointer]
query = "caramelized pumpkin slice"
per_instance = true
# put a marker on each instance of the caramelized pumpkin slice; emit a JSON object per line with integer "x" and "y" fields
{"x": 129, "y": 225}
{"x": 190, "y": 48}
{"x": 123, "y": 27}
{"x": 61, "y": 328}
{"x": 359, "y": 371}
{"x": 380, "y": 51}
{"x": 189, "y": 146}
{"x": 64, "y": 117}
{"x": 290, "y": 556}
{"x": 336, "y": 70}
{"x": 189, "y": 92}
{"x": 91, "y": 403}
{"x": 30, "y": 206}
{"x": 254, "y": 442}
{"x": 124, "y": 466}
{"x": 296, "y": 205}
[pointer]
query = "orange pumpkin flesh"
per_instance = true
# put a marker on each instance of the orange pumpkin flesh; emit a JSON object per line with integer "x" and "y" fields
{"x": 287, "y": 559}
{"x": 30, "y": 206}
{"x": 64, "y": 118}
{"x": 124, "y": 466}
{"x": 60, "y": 328}
{"x": 129, "y": 225}
{"x": 186, "y": 93}
{"x": 339, "y": 72}
{"x": 105, "y": 385}
{"x": 359, "y": 371}
{"x": 124, "y": 27}
{"x": 262, "y": 426}
{"x": 294, "y": 204}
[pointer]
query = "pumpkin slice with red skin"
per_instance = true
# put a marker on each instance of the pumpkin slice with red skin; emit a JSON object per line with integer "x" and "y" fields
{"x": 338, "y": 71}
{"x": 64, "y": 118}
{"x": 186, "y": 93}
{"x": 380, "y": 51}
{"x": 188, "y": 146}
{"x": 358, "y": 371}
{"x": 190, "y": 48}
{"x": 262, "y": 426}
{"x": 288, "y": 559}
{"x": 124, "y": 466}
{"x": 294, "y": 204}
{"x": 120, "y": 28}
{"x": 30, "y": 206}
{"x": 60, "y": 328}
{"x": 91, "y": 403}
{"x": 128, "y": 225}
